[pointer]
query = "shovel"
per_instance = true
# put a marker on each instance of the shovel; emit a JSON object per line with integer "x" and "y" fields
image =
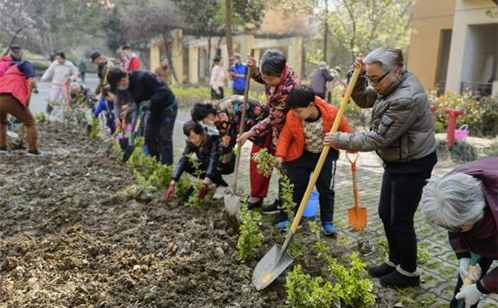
{"x": 358, "y": 214}
{"x": 474, "y": 259}
{"x": 232, "y": 201}
{"x": 277, "y": 260}
{"x": 131, "y": 144}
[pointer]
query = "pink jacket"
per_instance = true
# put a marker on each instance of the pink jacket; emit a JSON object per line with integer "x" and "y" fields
{"x": 4, "y": 65}
{"x": 15, "y": 83}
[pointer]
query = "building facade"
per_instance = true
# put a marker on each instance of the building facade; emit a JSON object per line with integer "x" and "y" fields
{"x": 454, "y": 45}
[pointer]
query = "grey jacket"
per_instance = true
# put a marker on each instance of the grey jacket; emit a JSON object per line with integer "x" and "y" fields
{"x": 402, "y": 126}
{"x": 319, "y": 78}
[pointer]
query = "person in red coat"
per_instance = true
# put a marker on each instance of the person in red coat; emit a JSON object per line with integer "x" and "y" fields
{"x": 299, "y": 147}
{"x": 15, "y": 86}
{"x": 131, "y": 62}
{"x": 465, "y": 202}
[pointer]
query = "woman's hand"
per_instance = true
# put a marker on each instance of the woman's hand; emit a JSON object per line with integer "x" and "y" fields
{"x": 251, "y": 62}
{"x": 243, "y": 138}
{"x": 358, "y": 63}
{"x": 329, "y": 139}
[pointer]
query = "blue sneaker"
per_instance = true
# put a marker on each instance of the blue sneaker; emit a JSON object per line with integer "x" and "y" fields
{"x": 328, "y": 228}
{"x": 285, "y": 224}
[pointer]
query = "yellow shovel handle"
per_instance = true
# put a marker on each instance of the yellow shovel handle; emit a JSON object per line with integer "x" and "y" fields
{"x": 325, "y": 151}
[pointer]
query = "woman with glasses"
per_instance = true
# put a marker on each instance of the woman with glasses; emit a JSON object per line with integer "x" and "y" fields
{"x": 402, "y": 134}
{"x": 465, "y": 202}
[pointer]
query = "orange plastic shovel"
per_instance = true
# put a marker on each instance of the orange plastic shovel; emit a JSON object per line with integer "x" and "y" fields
{"x": 358, "y": 214}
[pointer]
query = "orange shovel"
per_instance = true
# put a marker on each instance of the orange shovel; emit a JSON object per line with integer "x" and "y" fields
{"x": 358, "y": 214}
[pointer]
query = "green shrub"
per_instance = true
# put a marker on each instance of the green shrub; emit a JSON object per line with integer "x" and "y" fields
{"x": 481, "y": 114}
{"x": 188, "y": 96}
{"x": 306, "y": 292}
{"x": 460, "y": 152}
{"x": 350, "y": 284}
{"x": 250, "y": 238}
{"x": 492, "y": 150}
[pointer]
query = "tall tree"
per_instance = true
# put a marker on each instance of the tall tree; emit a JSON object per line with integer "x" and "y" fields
{"x": 17, "y": 17}
{"x": 360, "y": 26}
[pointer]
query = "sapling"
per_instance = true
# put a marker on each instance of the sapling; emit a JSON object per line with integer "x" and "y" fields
{"x": 265, "y": 162}
{"x": 250, "y": 238}
{"x": 303, "y": 291}
{"x": 350, "y": 283}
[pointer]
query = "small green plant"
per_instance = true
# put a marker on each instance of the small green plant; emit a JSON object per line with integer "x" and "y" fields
{"x": 193, "y": 200}
{"x": 321, "y": 245}
{"x": 265, "y": 162}
{"x": 250, "y": 238}
{"x": 303, "y": 291}
{"x": 350, "y": 284}
{"x": 41, "y": 118}
{"x": 94, "y": 133}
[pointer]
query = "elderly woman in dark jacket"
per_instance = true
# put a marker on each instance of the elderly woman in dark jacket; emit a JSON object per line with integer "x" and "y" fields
{"x": 402, "y": 134}
{"x": 465, "y": 202}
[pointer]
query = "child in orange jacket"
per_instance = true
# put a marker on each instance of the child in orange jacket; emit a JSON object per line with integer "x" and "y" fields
{"x": 299, "y": 147}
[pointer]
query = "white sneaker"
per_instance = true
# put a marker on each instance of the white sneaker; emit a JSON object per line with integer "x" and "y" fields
{"x": 3, "y": 151}
{"x": 220, "y": 192}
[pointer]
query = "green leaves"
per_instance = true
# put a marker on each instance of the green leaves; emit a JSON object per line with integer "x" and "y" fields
{"x": 250, "y": 238}
{"x": 303, "y": 291}
{"x": 351, "y": 286}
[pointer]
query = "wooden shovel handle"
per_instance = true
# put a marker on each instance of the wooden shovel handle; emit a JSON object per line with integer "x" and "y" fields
{"x": 242, "y": 125}
{"x": 325, "y": 151}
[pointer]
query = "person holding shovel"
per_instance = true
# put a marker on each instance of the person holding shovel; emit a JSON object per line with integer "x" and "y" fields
{"x": 299, "y": 147}
{"x": 139, "y": 87}
{"x": 278, "y": 78}
{"x": 465, "y": 202}
{"x": 15, "y": 86}
{"x": 207, "y": 148}
{"x": 226, "y": 116}
{"x": 402, "y": 134}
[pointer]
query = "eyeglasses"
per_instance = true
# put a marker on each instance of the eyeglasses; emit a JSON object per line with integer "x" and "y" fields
{"x": 378, "y": 79}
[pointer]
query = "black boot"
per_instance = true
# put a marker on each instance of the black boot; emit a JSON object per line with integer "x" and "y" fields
{"x": 400, "y": 279}
{"x": 255, "y": 205}
{"x": 381, "y": 270}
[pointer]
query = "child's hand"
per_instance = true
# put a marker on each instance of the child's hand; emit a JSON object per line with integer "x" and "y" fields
{"x": 204, "y": 190}
{"x": 169, "y": 193}
{"x": 279, "y": 160}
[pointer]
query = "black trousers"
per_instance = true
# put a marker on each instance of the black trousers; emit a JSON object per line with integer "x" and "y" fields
{"x": 299, "y": 172}
{"x": 485, "y": 264}
{"x": 217, "y": 179}
{"x": 159, "y": 134}
{"x": 214, "y": 95}
{"x": 399, "y": 198}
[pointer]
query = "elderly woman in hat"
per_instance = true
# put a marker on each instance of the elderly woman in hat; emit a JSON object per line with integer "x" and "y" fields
{"x": 402, "y": 134}
{"x": 465, "y": 202}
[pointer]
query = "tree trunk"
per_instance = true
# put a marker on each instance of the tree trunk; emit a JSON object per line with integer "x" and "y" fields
{"x": 228, "y": 27}
{"x": 326, "y": 31}
{"x": 208, "y": 62}
{"x": 12, "y": 41}
{"x": 168, "y": 51}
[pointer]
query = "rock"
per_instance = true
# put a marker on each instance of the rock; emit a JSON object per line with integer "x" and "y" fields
{"x": 219, "y": 252}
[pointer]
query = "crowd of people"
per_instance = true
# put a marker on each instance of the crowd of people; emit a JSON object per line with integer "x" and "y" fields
{"x": 293, "y": 124}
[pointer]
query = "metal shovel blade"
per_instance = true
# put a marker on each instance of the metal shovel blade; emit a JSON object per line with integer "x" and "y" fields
{"x": 232, "y": 204}
{"x": 270, "y": 267}
{"x": 357, "y": 218}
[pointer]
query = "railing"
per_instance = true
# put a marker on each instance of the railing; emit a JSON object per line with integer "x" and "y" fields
{"x": 478, "y": 88}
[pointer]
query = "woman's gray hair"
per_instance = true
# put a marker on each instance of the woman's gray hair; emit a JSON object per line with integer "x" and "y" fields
{"x": 388, "y": 58}
{"x": 453, "y": 200}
